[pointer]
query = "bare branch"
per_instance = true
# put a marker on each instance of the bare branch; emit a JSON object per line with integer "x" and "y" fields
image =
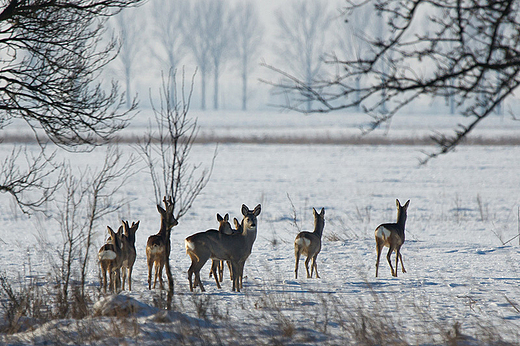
{"x": 166, "y": 148}
{"x": 463, "y": 51}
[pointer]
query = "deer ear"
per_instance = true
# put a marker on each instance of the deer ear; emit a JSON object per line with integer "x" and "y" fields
{"x": 226, "y": 217}
{"x": 406, "y": 204}
{"x": 161, "y": 209}
{"x": 110, "y": 230}
{"x": 219, "y": 218}
{"x": 237, "y": 223}
{"x": 257, "y": 210}
{"x": 136, "y": 224}
{"x": 322, "y": 212}
{"x": 397, "y": 203}
{"x": 245, "y": 209}
{"x": 314, "y": 212}
{"x": 120, "y": 230}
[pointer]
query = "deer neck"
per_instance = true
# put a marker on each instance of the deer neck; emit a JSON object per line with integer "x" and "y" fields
{"x": 131, "y": 237}
{"x": 165, "y": 231}
{"x": 318, "y": 227}
{"x": 401, "y": 220}
{"x": 249, "y": 234}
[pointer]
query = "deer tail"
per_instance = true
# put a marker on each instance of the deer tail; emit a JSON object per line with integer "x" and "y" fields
{"x": 190, "y": 248}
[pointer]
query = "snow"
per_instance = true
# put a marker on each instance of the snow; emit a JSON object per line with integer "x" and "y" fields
{"x": 462, "y": 277}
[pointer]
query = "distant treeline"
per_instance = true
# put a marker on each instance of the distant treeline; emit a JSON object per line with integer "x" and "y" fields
{"x": 12, "y": 138}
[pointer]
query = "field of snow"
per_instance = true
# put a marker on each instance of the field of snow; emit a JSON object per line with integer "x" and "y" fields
{"x": 463, "y": 269}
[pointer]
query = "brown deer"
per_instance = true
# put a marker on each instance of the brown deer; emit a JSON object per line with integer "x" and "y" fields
{"x": 110, "y": 258}
{"x": 234, "y": 248}
{"x": 217, "y": 265}
{"x": 159, "y": 245}
{"x": 309, "y": 244}
{"x": 391, "y": 235}
{"x": 129, "y": 253}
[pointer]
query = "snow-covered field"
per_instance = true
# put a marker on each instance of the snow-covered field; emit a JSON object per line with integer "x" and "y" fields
{"x": 460, "y": 274}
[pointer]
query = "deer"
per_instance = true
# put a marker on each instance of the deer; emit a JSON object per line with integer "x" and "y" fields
{"x": 110, "y": 258}
{"x": 309, "y": 244}
{"x": 234, "y": 248}
{"x": 129, "y": 253}
{"x": 158, "y": 245}
{"x": 392, "y": 236}
{"x": 217, "y": 265}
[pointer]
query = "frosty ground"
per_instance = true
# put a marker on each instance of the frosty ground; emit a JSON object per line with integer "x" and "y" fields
{"x": 462, "y": 273}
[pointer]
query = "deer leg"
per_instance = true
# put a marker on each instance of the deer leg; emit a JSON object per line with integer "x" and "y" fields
{"x": 111, "y": 275}
{"x": 220, "y": 266}
{"x": 123, "y": 269}
{"x": 161, "y": 282}
{"x": 118, "y": 280}
{"x": 190, "y": 274}
{"x": 297, "y": 256}
{"x": 389, "y": 258}
{"x": 398, "y": 257}
{"x": 314, "y": 266}
{"x": 156, "y": 275}
{"x": 307, "y": 260}
{"x": 240, "y": 275}
{"x": 241, "y": 268}
{"x": 234, "y": 269}
{"x": 130, "y": 278}
{"x": 199, "y": 281}
{"x": 150, "y": 269}
{"x": 402, "y": 263}
{"x": 214, "y": 266}
{"x": 230, "y": 271}
{"x": 104, "y": 282}
{"x": 379, "y": 247}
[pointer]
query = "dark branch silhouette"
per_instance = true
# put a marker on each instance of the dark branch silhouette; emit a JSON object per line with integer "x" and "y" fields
{"x": 52, "y": 57}
{"x": 463, "y": 50}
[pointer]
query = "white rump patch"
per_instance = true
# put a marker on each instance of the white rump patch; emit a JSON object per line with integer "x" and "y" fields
{"x": 189, "y": 245}
{"x": 107, "y": 255}
{"x": 156, "y": 249}
{"x": 382, "y": 233}
{"x": 302, "y": 241}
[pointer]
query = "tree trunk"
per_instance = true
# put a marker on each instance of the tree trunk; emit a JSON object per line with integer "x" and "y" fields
{"x": 203, "y": 91}
{"x": 127, "y": 79}
{"x": 215, "y": 87}
{"x": 244, "y": 83}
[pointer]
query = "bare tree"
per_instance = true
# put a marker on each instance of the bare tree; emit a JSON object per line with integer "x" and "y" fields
{"x": 130, "y": 33}
{"x": 169, "y": 27}
{"x": 88, "y": 197}
{"x": 350, "y": 39}
{"x": 30, "y": 179}
{"x": 465, "y": 50}
{"x": 249, "y": 33}
{"x": 221, "y": 41}
{"x": 165, "y": 149}
{"x": 51, "y": 55}
{"x": 302, "y": 37}
{"x": 199, "y": 27}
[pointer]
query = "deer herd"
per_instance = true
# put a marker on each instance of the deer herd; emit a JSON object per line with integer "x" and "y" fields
{"x": 224, "y": 245}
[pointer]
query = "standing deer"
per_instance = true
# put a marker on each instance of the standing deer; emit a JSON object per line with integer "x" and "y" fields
{"x": 391, "y": 235}
{"x": 110, "y": 258}
{"x": 309, "y": 244}
{"x": 234, "y": 248}
{"x": 218, "y": 265}
{"x": 158, "y": 245}
{"x": 129, "y": 253}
